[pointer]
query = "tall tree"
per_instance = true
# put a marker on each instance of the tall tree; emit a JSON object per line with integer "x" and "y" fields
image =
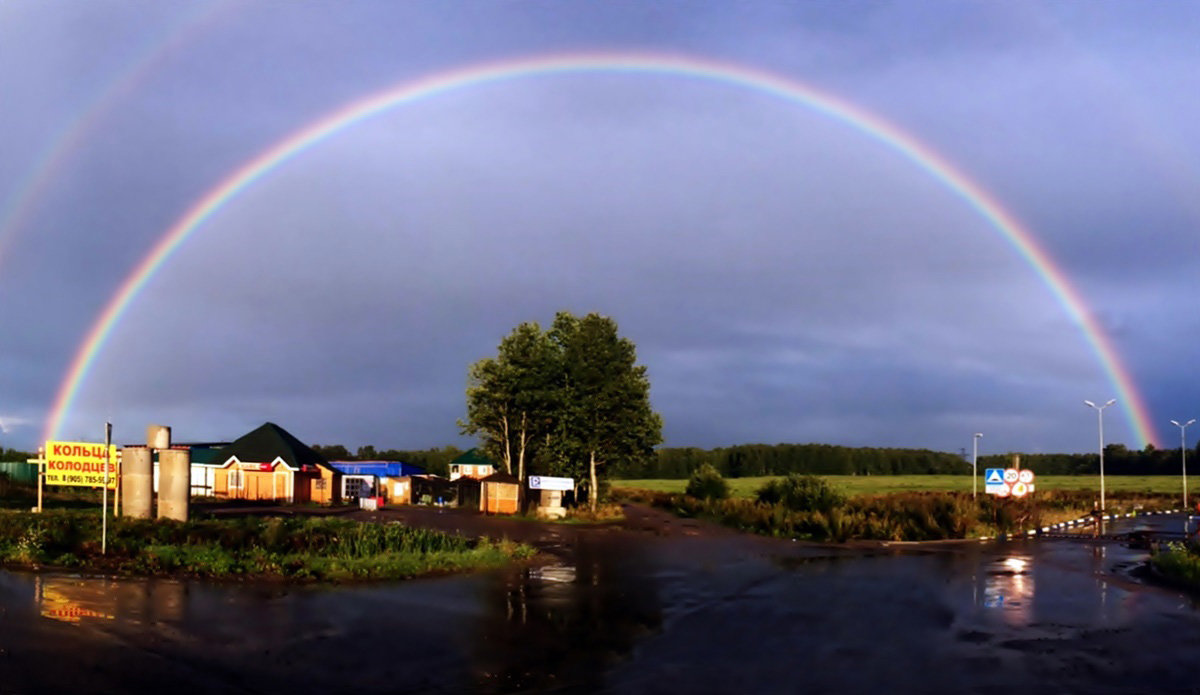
{"x": 604, "y": 411}
{"x": 571, "y": 400}
{"x": 511, "y": 397}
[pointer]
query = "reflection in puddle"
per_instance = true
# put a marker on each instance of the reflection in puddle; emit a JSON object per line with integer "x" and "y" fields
{"x": 76, "y": 599}
{"x": 563, "y": 625}
{"x": 553, "y": 573}
{"x": 1009, "y": 587}
{"x": 72, "y": 600}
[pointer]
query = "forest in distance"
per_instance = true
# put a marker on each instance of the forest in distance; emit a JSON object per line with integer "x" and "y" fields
{"x": 752, "y": 460}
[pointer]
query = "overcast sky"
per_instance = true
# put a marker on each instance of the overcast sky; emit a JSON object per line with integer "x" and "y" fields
{"x": 785, "y": 277}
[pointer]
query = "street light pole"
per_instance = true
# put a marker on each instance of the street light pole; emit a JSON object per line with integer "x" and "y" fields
{"x": 975, "y": 463}
{"x": 1100, "y": 420}
{"x": 1183, "y": 454}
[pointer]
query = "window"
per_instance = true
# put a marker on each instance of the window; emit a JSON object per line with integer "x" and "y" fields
{"x": 235, "y": 478}
{"x": 358, "y": 486}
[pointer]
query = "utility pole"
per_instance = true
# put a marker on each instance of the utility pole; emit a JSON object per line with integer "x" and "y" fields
{"x": 104, "y": 508}
{"x": 975, "y": 464}
{"x": 1100, "y": 420}
{"x": 1183, "y": 455}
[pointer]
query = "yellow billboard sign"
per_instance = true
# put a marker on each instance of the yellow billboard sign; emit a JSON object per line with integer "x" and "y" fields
{"x": 80, "y": 464}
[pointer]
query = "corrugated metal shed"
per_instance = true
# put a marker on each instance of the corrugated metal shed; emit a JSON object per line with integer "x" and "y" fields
{"x": 20, "y": 471}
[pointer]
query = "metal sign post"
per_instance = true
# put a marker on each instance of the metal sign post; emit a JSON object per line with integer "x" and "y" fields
{"x": 40, "y": 462}
{"x": 104, "y": 508}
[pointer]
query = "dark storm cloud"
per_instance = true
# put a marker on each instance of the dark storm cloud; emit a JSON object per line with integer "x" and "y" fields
{"x": 785, "y": 278}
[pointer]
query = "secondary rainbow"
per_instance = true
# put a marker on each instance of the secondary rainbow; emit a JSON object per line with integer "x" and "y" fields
{"x": 870, "y": 125}
{"x": 48, "y": 166}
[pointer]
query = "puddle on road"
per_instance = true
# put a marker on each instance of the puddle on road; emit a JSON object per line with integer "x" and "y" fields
{"x": 1009, "y": 588}
{"x": 619, "y": 615}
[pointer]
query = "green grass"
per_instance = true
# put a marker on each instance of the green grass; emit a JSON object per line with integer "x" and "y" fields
{"x": 856, "y": 485}
{"x": 1179, "y": 564}
{"x": 804, "y": 512}
{"x": 313, "y": 549}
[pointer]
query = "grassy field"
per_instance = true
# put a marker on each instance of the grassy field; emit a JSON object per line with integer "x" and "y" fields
{"x": 882, "y": 484}
{"x": 293, "y": 549}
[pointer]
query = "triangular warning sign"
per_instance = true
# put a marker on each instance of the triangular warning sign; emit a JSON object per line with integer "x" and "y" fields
{"x": 995, "y": 476}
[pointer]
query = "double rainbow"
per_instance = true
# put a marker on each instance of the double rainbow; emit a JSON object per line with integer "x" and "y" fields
{"x": 870, "y": 125}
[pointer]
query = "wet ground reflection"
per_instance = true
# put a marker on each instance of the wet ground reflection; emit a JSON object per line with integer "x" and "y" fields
{"x": 564, "y": 624}
{"x": 628, "y": 613}
{"x": 1009, "y": 588}
{"x": 75, "y": 599}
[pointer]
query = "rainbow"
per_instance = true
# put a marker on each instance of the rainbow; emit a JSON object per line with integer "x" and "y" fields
{"x": 789, "y": 90}
{"x": 48, "y": 164}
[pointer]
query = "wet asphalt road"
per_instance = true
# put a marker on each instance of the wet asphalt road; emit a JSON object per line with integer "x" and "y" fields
{"x": 630, "y": 612}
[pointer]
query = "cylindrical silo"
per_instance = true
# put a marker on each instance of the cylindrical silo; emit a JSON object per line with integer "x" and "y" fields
{"x": 158, "y": 437}
{"x": 174, "y": 483}
{"x": 137, "y": 482}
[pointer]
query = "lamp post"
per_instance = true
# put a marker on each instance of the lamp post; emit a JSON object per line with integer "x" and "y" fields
{"x": 975, "y": 463}
{"x": 1100, "y": 420}
{"x": 1183, "y": 454}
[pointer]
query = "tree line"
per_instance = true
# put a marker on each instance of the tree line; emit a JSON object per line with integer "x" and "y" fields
{"x": 1118, "y": 460}
{"x": 14, "y": 455}
{"x": 750, "y": 460}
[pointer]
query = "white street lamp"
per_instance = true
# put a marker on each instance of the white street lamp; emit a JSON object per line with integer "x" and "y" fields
{"x": 1100, "y": 419}
{"x": 975, "y": 463}
{"x": 1183, "y": 454}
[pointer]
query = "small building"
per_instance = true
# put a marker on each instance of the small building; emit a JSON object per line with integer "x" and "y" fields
{"x": 467, "y": 493}
{"x": 270, "y": 464}
{"x": 471, "y": 464}
{"x": 500, "y": 493}
{"x": 390, "y": 480}
{"x": 549, "y": 496}
{"x": 431, "y": 489}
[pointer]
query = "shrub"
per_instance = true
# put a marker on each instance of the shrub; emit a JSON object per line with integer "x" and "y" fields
{"x": 802, "y": 493}
{"x": 299, "y": 548}
{"x": 707, "y": 484}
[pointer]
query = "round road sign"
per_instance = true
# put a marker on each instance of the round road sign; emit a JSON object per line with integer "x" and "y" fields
{"x": 1026, "y": 476}
{"x": 1011, "y": 475}
{"x": 1019, "y": 490}
{"x": 1002, "y": 491}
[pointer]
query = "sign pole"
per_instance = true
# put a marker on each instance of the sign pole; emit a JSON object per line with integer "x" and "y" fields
{"x": 104, "y": 508}
{"x": 41, "y": 477}
{"x": 117, "y": 490}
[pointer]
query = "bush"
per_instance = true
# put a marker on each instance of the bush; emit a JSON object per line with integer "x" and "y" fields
{"x": 707, "y": 484}
{"x": 801, "y": 493}
{"x": 1179, "y": 564}
{"x": 294, "y": 548}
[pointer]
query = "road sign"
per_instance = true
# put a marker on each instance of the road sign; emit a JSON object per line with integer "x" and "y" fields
{"x": 993, "y": 481}
{"x": 545, "y": 482}
{"x": 1005, "y": 482}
